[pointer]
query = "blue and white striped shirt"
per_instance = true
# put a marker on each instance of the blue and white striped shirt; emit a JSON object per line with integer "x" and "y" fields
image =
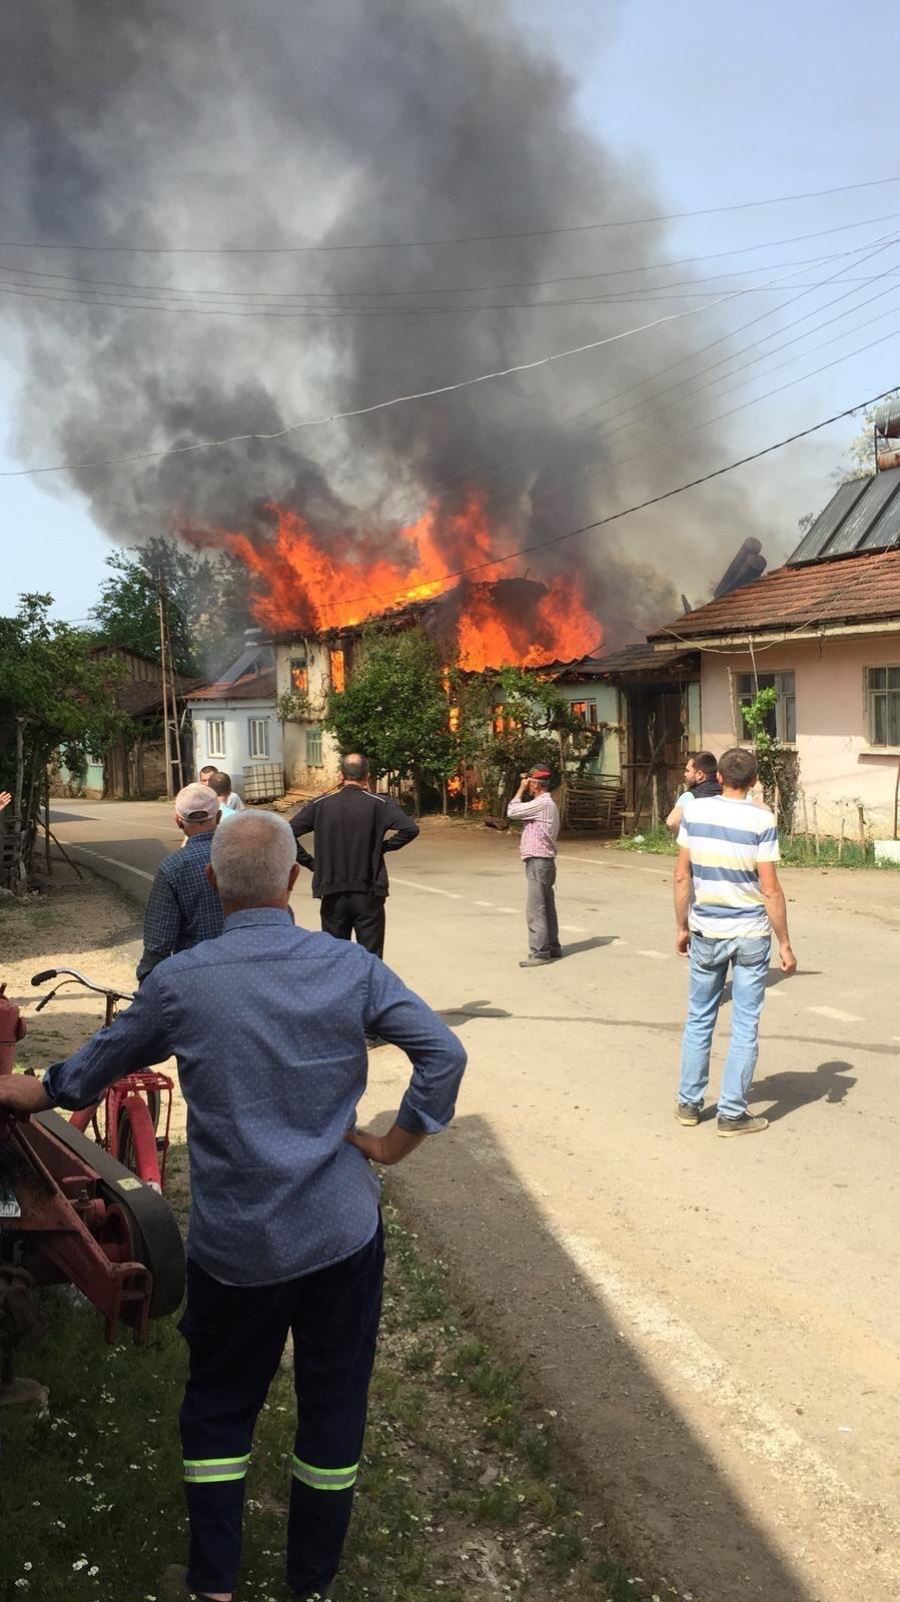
{"x": 727, "y": 839}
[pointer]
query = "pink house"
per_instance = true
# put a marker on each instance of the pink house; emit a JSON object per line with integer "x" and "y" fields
{"x": 824, "y": 632}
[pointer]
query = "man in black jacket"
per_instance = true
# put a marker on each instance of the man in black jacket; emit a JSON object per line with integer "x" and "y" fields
{"x": 352, "y": 829}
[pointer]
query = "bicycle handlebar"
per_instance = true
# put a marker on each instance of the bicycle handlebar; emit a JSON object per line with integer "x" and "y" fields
{"x": 72, "y": 973}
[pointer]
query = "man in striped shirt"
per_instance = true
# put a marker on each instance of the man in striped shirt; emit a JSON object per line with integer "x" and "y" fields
{"x": 728, "y": 849}
{"x": 537, "y": 848}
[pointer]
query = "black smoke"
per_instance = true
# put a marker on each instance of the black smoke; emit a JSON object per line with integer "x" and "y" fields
{"x": 155, "y": 123}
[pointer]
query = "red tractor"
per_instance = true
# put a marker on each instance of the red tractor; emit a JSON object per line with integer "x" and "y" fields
{"x": 69, "y": 1212}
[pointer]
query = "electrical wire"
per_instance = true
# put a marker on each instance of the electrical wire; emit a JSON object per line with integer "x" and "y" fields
{"x": 461, "y": 289}
{"x": 652, "y": 500}
{"x": 461, "y": 239}
{"x": 375, "y": 406}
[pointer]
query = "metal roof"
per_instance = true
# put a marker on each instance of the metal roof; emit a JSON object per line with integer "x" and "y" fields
{"x": 863, "y": 515}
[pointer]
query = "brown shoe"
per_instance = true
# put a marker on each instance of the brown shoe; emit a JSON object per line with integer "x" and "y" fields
{"x": 688, "y": 1113}
{"x": 173, "y": 1586}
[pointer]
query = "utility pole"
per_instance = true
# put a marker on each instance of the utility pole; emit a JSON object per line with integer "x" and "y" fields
{"x": 165, "y": 691}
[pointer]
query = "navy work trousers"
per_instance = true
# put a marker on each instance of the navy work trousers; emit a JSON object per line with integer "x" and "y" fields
{"x": 236, "y": 1337}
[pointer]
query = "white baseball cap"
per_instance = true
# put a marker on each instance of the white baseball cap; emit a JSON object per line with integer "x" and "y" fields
{"x": 196, "y": 803}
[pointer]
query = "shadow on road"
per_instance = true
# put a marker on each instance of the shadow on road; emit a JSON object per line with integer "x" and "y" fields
{"x": 563, "y": 1312}
{"x": 789, "y": 1092}
{"x": 572, "y": 946}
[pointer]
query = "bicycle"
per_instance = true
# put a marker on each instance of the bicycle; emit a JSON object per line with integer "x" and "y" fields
{"x": 132, "y": 1105}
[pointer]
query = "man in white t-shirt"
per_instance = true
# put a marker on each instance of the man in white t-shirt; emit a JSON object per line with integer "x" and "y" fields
{"x": 728, "y": 850}
{"x": 700, "y": 780}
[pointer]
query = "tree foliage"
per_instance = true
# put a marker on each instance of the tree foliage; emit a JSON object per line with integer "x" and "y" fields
{"x": 395, "y": 708}
{"x": 52, "y": 694}
{"x": 207, "y": 602}
{"x": 777, "y": 765}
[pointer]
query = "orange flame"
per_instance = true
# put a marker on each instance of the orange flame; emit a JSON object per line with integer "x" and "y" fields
{"x": 303, "y": 587}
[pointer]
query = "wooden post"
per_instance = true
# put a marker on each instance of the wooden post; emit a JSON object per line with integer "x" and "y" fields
{"x": 861, "y": 812}
{"x": 843, "y": 832}
{"x": 47, "y": 856}
{"x": 165, "y": 694}
{"x": 805, "y": 820}
{"x": 815, "y": 807}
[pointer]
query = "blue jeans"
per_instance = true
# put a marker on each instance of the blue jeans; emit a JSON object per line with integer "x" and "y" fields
{"x": 710, "y": 961}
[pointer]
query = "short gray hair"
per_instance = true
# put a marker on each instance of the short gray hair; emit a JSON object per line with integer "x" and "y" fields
{"x": 252, "y": 856}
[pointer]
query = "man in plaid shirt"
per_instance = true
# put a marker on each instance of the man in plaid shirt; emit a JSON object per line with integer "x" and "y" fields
{"x": 537, "y": 848}
{"x": 183, "y": 908}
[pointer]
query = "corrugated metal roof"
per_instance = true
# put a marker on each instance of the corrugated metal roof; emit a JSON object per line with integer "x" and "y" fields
{"x": 638, "y": 658}
{"x": 863, "y": 515}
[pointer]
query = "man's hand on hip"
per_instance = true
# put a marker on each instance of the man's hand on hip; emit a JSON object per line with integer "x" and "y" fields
{"x": 385, "y": 1149}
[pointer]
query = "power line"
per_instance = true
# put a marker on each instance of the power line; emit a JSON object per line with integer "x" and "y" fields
{"x": 460, "y": 289}
{"x": 652, "y": 500}
{"x": 461, "y": 239}
{"x": 362, "y": 411}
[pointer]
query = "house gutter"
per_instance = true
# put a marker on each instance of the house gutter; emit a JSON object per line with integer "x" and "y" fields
{"x": 743, "y": 640}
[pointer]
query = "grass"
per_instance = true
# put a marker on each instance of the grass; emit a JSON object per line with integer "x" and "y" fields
{"x": 463, "y": 1496}
{"x": 797, "y": 851}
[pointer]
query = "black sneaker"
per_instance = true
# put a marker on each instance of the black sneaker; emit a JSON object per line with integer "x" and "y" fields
{"x": 688, "y": 1113}
{"x": 746, "y": 1124}
{"x": 535, "y": 962}
{"x": 555, "y": 953}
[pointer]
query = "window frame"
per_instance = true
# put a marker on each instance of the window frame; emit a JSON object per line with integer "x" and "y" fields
{"x": 589, "y": 716}
{"x": 221, "y": 753}
{"x": 256, "y": 723}
{"x": 313, "y": 742}
{"x": 873, "y": 692}
{"x": 298, "y": 671}
{"x": 787, "y": 699}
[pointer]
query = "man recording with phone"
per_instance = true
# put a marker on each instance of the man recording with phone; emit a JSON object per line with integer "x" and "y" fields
{"x": 534, "y": 806}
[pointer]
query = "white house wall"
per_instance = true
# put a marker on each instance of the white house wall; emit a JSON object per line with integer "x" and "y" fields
{"x": 300, "y": 735}
{"x": 838, "y": 764}
{"x": 236, "y": 716}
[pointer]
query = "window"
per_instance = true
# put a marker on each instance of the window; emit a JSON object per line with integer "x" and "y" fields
{"x": 299, "y": 675}
{"x": 314, "y": 748}
{"x": 883, "y": 685}
{"x": 781, "y": 722}
{"x": 259, "y": 736}
{"x": 502, "y": 723}
{"x": 215, "y": 737}
{"x": 338, "y": 672}
{"x": 586, "y": 711}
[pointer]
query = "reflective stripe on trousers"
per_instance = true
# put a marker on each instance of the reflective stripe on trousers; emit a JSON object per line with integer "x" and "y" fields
{"x": 319, "y": 1479}
{"x": 214, "y": 1470}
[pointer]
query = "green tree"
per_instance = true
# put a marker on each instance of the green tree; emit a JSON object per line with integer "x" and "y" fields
{"x": 777, "y": 766}
{"x": 395, "y": 708}
{"x": 52, "y": 694}
{"x": 510, "y": 721}
{"x": 207, "y": 602}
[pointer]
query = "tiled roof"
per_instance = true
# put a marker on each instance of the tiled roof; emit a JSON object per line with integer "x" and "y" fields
{"x": 250, "y": 687}
{"x": 853, "y": 590}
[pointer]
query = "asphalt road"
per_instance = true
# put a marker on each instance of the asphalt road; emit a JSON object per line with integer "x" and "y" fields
{"x": 715, "y": 1322}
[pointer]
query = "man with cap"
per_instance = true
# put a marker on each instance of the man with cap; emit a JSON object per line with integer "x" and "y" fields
{"x": 537, "y": 848}
{"x": 183, "y": 907}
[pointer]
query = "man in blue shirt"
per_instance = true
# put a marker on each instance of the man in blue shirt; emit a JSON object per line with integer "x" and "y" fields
{"x": 183, "y": 907}
{"x": 268, "y": 1024}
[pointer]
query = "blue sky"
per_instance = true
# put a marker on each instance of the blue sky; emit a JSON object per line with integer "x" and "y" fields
{"x": 717, "y": 105}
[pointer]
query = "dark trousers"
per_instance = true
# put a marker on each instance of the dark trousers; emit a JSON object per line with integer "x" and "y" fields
{"x": 236, "y": 1337}
{"x": 347, "y": 913}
